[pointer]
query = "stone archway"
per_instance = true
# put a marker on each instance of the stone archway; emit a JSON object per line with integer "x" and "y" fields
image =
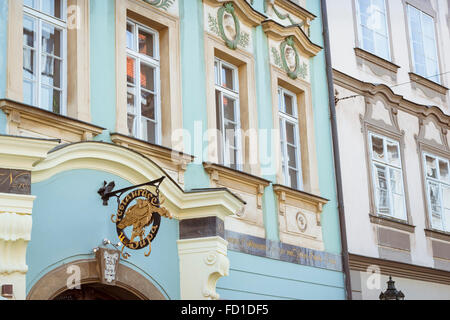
{"x": 129, "y": 283}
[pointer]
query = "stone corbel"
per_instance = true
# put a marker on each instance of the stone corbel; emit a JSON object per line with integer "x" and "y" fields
{"x": 282, "y": 202}
{"x": 259, "y": 196}
{"x": 214, "y": 178}
{"x": 181, "y": 170}
{"x": 14, "y": 120}
{"x": 203, "y": 261}
{"x": 319, "y": 213}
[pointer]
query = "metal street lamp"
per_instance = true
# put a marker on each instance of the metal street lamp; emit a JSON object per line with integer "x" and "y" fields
{"x": 391, "y": 293}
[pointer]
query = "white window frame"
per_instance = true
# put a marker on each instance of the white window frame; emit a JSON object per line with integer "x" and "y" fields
{"x": 428, "y": 76}
{"x": 154, "y": 62}
{"x": 445, "y": 224}
{"x": 292, "y": 119}
{"x": 41, "y": 18}
{"x": 224, "y": 154}
{"x": 360, "y": 33}
{"x": 374, "y": 163}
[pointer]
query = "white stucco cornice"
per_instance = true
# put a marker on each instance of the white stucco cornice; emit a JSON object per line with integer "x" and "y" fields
{"x": 21, "y": 153}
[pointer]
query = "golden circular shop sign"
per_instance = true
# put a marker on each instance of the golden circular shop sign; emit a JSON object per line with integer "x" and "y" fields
{"x": 145, "y": 211}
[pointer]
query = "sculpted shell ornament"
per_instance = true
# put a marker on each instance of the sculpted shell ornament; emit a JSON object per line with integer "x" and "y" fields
{"x": 229, "y": 26}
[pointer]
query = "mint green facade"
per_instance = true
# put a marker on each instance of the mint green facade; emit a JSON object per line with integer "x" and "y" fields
{"x": 61, "y": 236}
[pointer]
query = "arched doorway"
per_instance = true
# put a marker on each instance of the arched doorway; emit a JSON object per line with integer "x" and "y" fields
{"x": 97, "y": 291}
{"x": 130, "y": 285}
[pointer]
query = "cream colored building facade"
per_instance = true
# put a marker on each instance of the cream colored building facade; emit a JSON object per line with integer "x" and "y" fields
{"x": 391, "y": 72}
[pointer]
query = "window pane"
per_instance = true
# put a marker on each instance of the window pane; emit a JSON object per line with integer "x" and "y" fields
{"x": 146, "y": 43}
{"x": 29, "y": 31}
{"x": 368, "y": 42}
{"x": 230, "y": 135}
{"x": 446, "y": 204}
{"x": 377, "y": 147}
{"x": 29, "y": 56}
{"x": 148, "y": 105}
{"x": 292, "y": 155}
{"x": 131, "y": 125}
{"x": 131, "y": 99}
{"x": 443, "y": 170}
{"x": 51, "y": 40}
{"x": 397, "y": 194}
{"x": 216, "y": 73}
{"x": 130, "y": 36}
{"x": 131, "y": 70}
{"x": 382, "y": 46}
{"x": 228, "y": 78}
{"x": 431, "y": 167}
{"x": 31, "y": 3}
{"x": 289, "y": 103}
{"x": 290, "y": 133}
{"x": 382, "y": 200}
{"x": 52, "y": 7}
{"x": 293, "y": 177}
{"x": 147, "y": 77}
{"x": 435, "y": 203}
{"x": 229, "y": 106}
{"x": 51, "y": 71}
{"x": 148, "y": 131}
{"x": 393, "y": 154}
{"x": 28, "y": 92}
{"x": 50, "y": 99}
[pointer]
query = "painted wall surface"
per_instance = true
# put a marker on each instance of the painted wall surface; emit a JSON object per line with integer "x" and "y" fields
{"x": 327, "y": 180}
{"x": 3, "y": 47}
{"x": 103, "y": 63}
{"x": 362, "y": 234}
{"x": 413, "y": 289}
{"x": 343, "y": 40}
{"x": 66, "y": 229}
{"x": 256, "y": 278}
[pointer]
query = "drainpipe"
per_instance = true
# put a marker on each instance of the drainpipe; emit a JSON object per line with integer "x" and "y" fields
{"x": 337, "y": 161}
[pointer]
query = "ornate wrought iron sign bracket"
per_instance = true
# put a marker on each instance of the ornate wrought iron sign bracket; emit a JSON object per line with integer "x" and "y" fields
{"x": 140, "y": 209}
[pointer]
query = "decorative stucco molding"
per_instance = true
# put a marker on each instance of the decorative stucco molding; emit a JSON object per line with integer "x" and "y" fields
{"x": 137, "y": 169}
{"x": 278, "y": 32}
{"x": 25, "y": 120}
{"x": 203, "y": 261}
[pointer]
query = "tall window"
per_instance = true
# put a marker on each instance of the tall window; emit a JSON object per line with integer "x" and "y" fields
{"x": 290, "y": 142}
{"x": 228, "y": 114}
{"x": 372, "y": 27}
{"x": 45, "y": 54}
{"x": 388, "y": 177}
{"x": 423, "y": 44}
{"x": 438, "y": 191}
{"x": 143, "y": 83}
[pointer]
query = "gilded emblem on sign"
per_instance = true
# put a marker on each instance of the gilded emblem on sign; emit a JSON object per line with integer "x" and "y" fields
{"x": 138, "y": 219}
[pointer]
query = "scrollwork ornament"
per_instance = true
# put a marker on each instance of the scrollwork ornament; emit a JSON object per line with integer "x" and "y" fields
{"x": 223, "y": 17}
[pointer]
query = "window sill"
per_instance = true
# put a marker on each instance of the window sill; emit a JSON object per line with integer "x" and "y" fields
{"x": 238, "y": 180}
{"x": 392, "y": 223}
{"x": 436, "y": 87}
{"x": 370, "y": 57}
{"x": 437, "y": 234}
{"x": 26, "y": 120}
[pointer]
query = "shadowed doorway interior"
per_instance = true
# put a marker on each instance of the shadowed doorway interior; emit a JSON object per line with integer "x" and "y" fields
{"x": 97, "y": 291}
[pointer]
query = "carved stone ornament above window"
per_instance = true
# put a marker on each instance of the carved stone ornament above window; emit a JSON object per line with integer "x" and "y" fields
{"x": 229, "y": 26}
{"x": 161, "y": 4}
